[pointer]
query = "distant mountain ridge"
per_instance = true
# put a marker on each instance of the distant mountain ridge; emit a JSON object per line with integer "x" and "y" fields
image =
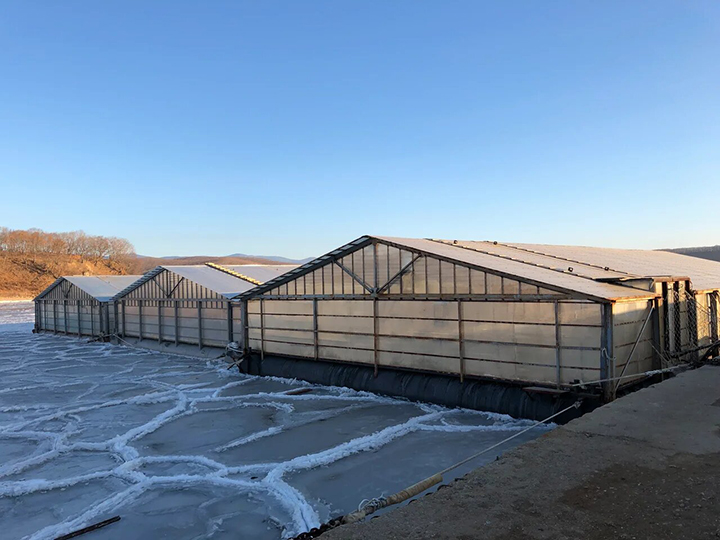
{"x": 261, "y": 259}
{"x": 711, "y": 253}
{"x": 276, "y": 258}
{"x": 143, "y": 264}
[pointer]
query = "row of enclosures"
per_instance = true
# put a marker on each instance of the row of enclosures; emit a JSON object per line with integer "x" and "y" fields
{"x": 390, "y": 306}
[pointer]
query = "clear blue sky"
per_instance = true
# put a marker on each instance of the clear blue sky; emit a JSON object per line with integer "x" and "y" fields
{"x": 286, "y": 127}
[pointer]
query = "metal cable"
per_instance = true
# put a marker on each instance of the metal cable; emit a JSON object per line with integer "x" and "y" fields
{"x": 575, "y": 405}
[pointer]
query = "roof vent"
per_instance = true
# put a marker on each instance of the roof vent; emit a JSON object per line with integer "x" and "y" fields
{"x": 454, "y": 241}
{"x": 570, "y": 268}
{"x": 495, "y": 243}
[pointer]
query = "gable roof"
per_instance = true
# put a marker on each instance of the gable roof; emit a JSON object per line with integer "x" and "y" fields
{"x": 227, "y": 281}
{"x": 102, "y": 288}
{"x": 602, "y": 274}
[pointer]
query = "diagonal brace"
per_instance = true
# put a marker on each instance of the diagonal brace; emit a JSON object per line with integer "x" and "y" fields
{"x": 355, "y": 277}
{"x": 399, "y": 274}
{"x": 637, "y": 340}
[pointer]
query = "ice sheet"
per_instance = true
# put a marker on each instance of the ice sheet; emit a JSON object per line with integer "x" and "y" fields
{"x": 183, "y": 448}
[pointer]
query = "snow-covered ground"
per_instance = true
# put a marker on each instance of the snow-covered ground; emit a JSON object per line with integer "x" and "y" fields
{"x": 185, "y": 449}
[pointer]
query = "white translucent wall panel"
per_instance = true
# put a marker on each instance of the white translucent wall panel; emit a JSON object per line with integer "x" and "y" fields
{"x": 628, "y": 319}
{"x": 518, "y": 338}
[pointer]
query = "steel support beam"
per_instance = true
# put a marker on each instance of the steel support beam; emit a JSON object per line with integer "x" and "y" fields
{"x": 230, "y": 321}
{"x": 140, "y": 330}
{"x": 159, "y": 314}
{"x": 667, "y": 304}
{"x": 244, "y": 324}
{"x": 262, "y": 331}
{"x": 558, "y": 357}
{"x": 116, "y": 319}
{"x": 607, "y": 360}
{"x": 655, "y": 325}
{"x": 461, "y": 339}
{"x": 400, "y": 273}
{"x": 176, "y": 322}
{"x": 316, "y": 347}
{"x": 713, "y": 303}
{"x": 376, "y": 338}
{"x": 354, "y": 276}
{"x": 200, "y": 332}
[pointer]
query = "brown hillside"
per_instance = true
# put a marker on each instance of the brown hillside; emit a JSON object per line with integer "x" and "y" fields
{"x": 23, "y": 276}
{"x": 32, "y": 259}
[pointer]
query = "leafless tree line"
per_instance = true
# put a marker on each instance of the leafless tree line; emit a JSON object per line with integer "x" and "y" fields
{"x": 36, "y": 241}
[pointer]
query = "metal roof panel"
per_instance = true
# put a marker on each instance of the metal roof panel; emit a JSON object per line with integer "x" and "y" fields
{"x": 565, "y": 281}
{"x": 704, "y": 274}
{"x": 102, "y": 288}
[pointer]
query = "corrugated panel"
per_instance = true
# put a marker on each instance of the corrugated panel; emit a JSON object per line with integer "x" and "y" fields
{"x": 551, "y": 278}
{"x": 260, "y": 272}
{"x": 704, "y": 274}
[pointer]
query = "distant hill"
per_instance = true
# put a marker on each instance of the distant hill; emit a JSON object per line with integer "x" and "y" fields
{"x": 31, "y": 259}
{"x": 281, "y": 260}
{"x": 143, "y": 264}
{"x": 23, "y": 276}
{"x": 235, "y": 258}
{"x": 711, "y": 253}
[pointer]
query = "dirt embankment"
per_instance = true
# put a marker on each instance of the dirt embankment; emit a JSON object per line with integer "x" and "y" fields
{"x": 23, "y": 276}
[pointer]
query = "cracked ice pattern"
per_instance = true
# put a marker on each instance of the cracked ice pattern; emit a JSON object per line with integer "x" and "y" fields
{"x": 185, "y": 448}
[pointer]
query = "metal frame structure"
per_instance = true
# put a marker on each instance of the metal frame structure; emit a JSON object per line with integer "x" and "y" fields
{"x": 187, "y": 304}
{"x": 384, "y": 302}
{"x": 79, "y": 305}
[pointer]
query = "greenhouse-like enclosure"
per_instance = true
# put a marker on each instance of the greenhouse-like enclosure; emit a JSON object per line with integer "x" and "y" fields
{"x": 189, "y": 304}
{"x": 553, "y": 317}
{"x": 80, "y": 305}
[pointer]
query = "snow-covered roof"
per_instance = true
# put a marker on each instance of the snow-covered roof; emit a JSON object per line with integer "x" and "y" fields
{"x": 102, "y": 288}
{"x": 260, "y": 272}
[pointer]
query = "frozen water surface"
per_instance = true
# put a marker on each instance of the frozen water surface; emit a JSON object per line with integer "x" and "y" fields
{"x": 183, "y": 448}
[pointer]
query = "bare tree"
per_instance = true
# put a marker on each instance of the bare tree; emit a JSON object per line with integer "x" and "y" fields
{"x": 75, "y": 243}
